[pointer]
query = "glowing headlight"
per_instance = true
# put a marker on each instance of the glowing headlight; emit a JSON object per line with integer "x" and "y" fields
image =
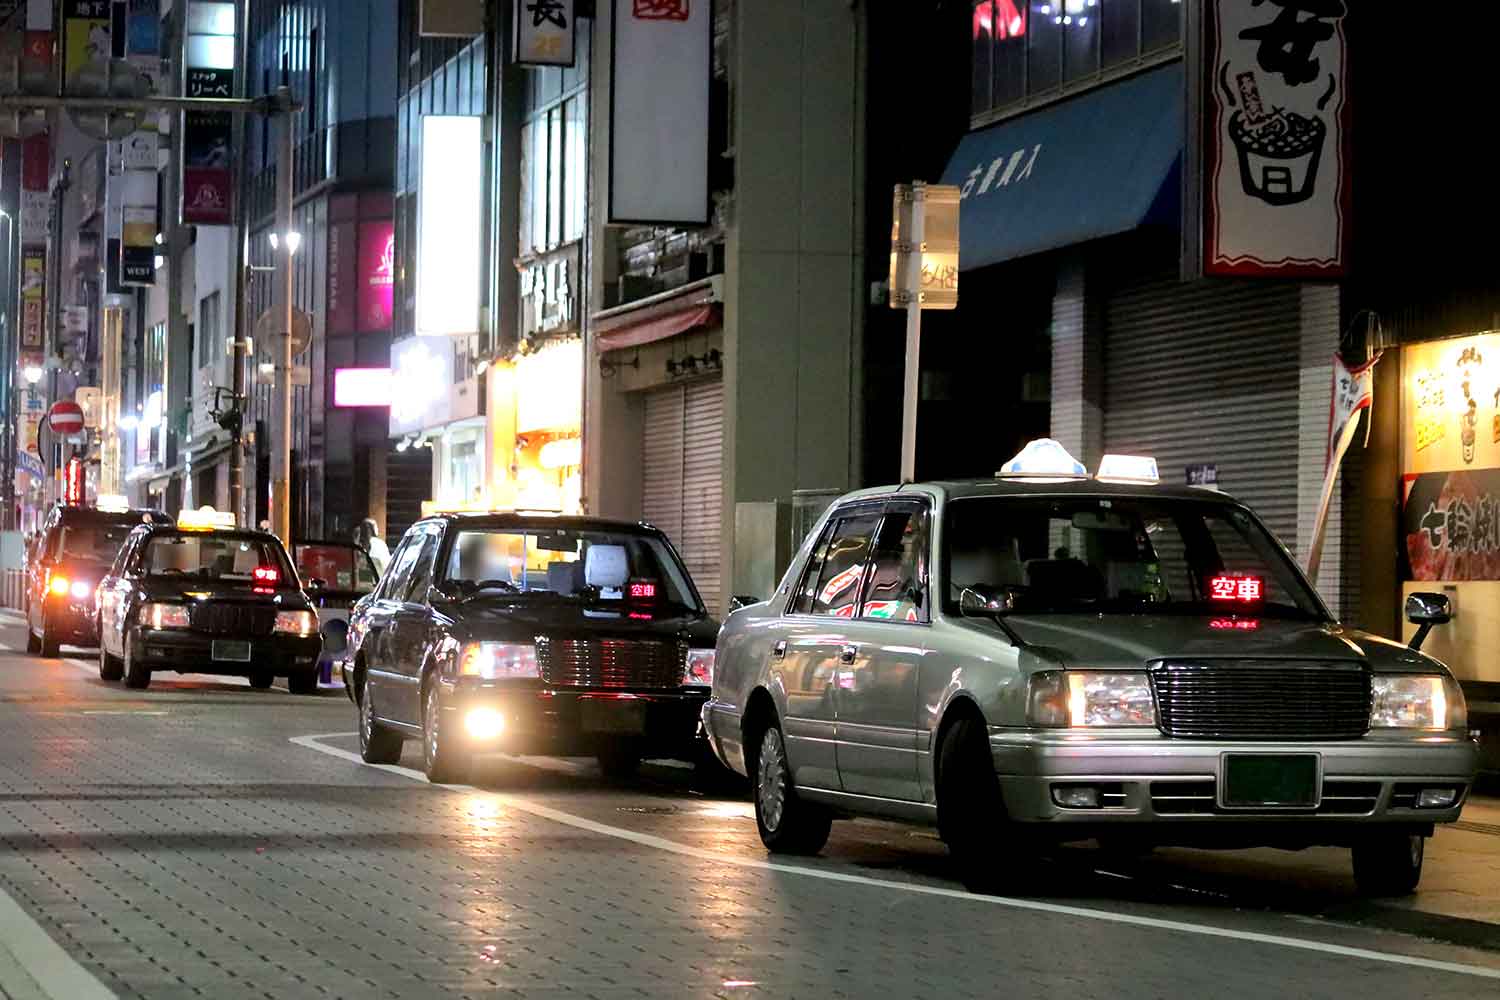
{"x": 497, "y": 660}
{"x": 1084, "y": 699}
{"x": 699, "y": 668}
{"x": 1408, "y": 701}
{"x": 80, "y": 590}
{"x": 296, "y": 623}
{"x": 164, "y": 615}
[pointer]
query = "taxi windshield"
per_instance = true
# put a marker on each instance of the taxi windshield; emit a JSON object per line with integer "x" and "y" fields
{"x": 210, "y": 556}
{"x": 340, "y": 567}
{"x": 97, "y": 541}
{"x": 1121, "y": 554}
{"x": 582, "y": 565}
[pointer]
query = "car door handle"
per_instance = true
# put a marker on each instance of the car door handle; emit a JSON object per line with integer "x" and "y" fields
{"x": 779, "y": 650}
{"x": 847, "y": 654}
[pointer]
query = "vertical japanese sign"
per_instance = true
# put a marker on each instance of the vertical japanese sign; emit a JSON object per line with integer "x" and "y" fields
{"x": 660, "y": 67}
{"x": 1276, "y": 163}
{"x": 377, "y": 274}
{"x": 86, "y": 35}
{"x": 138, "y": 210}
{"x": 207, "y": 174}
{"x": 33, "y": 299}
{"x": 33, "y": 409}
{"x": 544, "y": 32}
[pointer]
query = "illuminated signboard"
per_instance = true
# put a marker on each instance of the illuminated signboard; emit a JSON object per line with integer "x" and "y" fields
{"x": 362, "y": 387}
{"x": 377, "y": 274}
{"x": 1236, "y": 588}
{"x": 448, "y": 226}
{"x": 421, "y": 387}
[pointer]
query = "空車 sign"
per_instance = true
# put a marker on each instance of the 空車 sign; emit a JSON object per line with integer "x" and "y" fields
{"x": 1276, "y": 115}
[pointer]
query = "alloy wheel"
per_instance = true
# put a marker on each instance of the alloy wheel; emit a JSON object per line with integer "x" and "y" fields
{"x": 770, "y": 785}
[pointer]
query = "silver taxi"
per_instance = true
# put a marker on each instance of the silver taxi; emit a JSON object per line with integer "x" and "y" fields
{"x": 1055, "y": 656}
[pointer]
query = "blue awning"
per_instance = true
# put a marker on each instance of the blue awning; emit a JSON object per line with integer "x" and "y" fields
{"x": 1093, "y": 166}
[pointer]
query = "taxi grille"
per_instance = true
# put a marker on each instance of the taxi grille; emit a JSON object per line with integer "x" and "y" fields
{"x": 1262, "y": 699}
{"x": 610, "y": 663}
{"x": 233, "y": 619}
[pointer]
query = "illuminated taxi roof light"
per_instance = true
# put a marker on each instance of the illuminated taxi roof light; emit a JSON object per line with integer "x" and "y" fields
{"x": 1138, "y": 469}
{"x": 1043, "y": 459}
{"x": 113, "y": 503}
{"x": 205, "y": 519}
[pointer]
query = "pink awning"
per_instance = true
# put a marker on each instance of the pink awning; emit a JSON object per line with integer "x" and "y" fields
{"x": 647, "y": 330}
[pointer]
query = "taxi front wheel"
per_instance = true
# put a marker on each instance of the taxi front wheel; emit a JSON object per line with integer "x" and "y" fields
{"x": 136, "y": 675}
{"x": 788, "y": 824}
{"x": 971, "y": 813}
{"x": 444, "y": 763}
{"x": 1389, "y": 863}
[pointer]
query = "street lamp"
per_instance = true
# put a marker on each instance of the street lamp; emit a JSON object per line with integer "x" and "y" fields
{"x": 33, "y": 373}
{"x": 293, "y": 241}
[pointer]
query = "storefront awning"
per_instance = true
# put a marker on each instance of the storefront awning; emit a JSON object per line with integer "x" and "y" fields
{"x": 666, "y": 314}
{"x": 1095, "y": 165}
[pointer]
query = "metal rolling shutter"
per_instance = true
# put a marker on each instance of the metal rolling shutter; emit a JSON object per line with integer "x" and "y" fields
{"x": 1208, "y": 372}
{"x": 683, "y": 475}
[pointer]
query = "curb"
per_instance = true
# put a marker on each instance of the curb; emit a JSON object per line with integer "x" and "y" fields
{"x": 1461, "y": 931}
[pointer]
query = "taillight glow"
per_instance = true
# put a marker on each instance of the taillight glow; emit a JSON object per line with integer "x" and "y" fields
{"x": 58, "y": 585}
{"x": 1248, "y": 589}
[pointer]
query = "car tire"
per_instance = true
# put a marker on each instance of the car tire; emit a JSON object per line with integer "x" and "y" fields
{"x": 33, "y": 644}
{"x": 788, "y": 824}
{"x": 444, "y": 763}
{"x": 1389, "y": 863}
{"x": 303, "y": 682}
{"x": 377, "y": 744}
{"x": 48, "y": 645}
{"x": 136, "y": 676}
{"x": 111, "y": 668}
{"x": 619, "y": 759}
{"x": 971, "y": 812}
{"x": 262, "y": 679}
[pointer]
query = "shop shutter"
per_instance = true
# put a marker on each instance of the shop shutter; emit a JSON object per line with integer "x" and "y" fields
{"x": 1208, "y": 372}
{"x": 683, "y": 475}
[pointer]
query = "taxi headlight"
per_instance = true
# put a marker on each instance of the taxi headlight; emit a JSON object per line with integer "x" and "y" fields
{"x": 699, "y": 667}
{"x": 1081, "y": 699}
{"x": 295, "y": 623}
{"x": 1412, "y": 701}
{"x": 156, "y": 615}
{"x": 498, "y": 660}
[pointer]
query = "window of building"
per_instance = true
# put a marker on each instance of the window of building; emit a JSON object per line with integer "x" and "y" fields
{"x": 209, "y": 329}
{"x": 1025, "y": 50}
{"x": 554, "y": 155}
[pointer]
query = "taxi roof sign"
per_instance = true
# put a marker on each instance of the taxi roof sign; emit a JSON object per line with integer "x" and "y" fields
{"x": 1044, "y": 459}
{"x": 1139, "y": 470}
{"x": 112, "y": 503}
{"x": 205, "y": 518}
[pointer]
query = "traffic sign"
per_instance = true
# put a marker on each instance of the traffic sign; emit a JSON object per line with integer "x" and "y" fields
{"x": 272, "y": 322}
{"x": 65, "y": 417}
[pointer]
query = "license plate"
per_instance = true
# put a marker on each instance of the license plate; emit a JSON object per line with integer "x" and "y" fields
{"x": 235, "y": 652}
{"x": 1281, "y": 780}
{"x": 612, "y": 716}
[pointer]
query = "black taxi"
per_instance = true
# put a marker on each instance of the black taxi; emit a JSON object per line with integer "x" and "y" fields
{"x": 202, "y": 596}
{"x": 516, "y": 632}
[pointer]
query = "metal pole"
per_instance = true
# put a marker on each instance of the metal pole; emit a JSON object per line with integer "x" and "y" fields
{"x": 245, "y": 105}
{"x": 10, "y": 346}
{"x": 281, "y": 456}
{"x": 913, "y": 384}
{"x": 240, "y": 276}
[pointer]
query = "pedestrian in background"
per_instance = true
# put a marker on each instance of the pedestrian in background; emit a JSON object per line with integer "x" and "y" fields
{"x": 367, "y": 537}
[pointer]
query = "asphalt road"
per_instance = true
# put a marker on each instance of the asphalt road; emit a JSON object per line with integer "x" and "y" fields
{"x": 200, "y": 838}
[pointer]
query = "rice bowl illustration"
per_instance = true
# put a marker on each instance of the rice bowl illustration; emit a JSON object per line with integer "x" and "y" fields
{"x": 1278, "y": 155}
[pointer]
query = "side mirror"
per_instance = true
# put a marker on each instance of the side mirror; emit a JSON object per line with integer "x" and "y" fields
{"x": 317, "y": 583}
{"x": 1425, "y": 610}
{"x": 739, "y": 601}
{"x": 985, "y": 602}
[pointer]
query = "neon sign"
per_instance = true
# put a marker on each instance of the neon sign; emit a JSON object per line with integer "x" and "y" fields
{"x": 1247, "y": 589}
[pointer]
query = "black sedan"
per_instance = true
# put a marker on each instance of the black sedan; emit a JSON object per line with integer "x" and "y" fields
{"x": 531, "y": 633}
{"x": 206, "y": 601}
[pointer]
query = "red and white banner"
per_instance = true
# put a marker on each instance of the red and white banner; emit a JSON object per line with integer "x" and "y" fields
{"x": 1353, "y": 391}
{"x": 1276, "y": 161}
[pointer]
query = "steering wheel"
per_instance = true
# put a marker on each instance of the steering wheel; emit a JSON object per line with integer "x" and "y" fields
{"x": 171, "y": 571}
{"x": 495, "y": 585}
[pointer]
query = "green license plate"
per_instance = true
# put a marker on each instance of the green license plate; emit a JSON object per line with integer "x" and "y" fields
{"x": 609, "y": 715}
{"x": 230, "y": 651}
{"x": 1284, "y": 780}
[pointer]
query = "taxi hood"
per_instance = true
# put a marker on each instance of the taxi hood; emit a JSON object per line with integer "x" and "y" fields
{"x": 519, "y": 621}
{"x": 1121, "y": 641}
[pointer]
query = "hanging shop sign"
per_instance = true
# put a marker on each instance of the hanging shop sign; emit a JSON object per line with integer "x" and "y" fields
{"x": 421, "y": 386}
{"x": 448, "y": 227}
{"x": 938, "y": 287}
{"x": 1276, "y": 116}
{"x": 450, "y": 18}
{"x": 33, "y": 298}
{"x": 660, "y": 67}
{"x": 377, "y": 274}
{"x": 86, "y": 34}
{"x": 1451, "y": 405}
{"x": 1451, "y": 525}
{"x": 207, "y": 179}
{"x": 341, "y": 281}
{"x": 545, "y": 32}
{"x": 549, "y": 293}
{"x": 33, "y": 411}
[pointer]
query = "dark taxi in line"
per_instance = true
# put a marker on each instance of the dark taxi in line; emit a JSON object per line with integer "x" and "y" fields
{"x": 200, "y": 596}
{"x": 530, "y": 633}
{"x": 72, "y": 552}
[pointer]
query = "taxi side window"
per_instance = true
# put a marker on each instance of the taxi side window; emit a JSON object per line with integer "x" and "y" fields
{"x": 896, "y": 588}
{"x": 831, "y": 586}
{"x": 393, "y": 587}
{"x": 421, "y": 572}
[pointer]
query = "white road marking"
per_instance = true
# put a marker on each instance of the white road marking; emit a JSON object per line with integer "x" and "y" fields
{"x": 313, "y": 742}
{"x": 43, "y": 959}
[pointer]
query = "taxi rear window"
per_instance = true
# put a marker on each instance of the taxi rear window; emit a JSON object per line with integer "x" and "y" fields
{"x": 1118, "y": 554}
{"x": 207, "y": 556}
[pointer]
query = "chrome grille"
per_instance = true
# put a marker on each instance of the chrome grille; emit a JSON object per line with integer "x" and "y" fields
{"x": 219, "y": 618}
{"x": 1262, "y": 699}
{"x": 610, "y": 663}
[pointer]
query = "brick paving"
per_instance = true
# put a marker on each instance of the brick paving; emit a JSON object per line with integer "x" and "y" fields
{"x": 177, "y": 845}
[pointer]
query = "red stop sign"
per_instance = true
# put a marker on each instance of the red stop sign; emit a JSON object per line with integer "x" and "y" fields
{"x": 65, "y": 417}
